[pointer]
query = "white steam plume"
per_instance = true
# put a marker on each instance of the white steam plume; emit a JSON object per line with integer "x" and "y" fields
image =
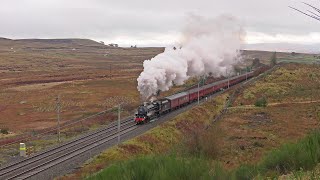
{"x": 207, "y": 46}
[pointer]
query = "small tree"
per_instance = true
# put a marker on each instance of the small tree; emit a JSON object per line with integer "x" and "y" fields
{"x": 261, "y": 102}
{"x": 4, "y": 131}
{"x": 256, "y": 62}
{"x": 273, "y": 61}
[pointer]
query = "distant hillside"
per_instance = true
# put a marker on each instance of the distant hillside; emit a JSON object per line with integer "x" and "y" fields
{"x": 48, "y": 43}
{"x": 285, "y": 47}
{"x": 61, "y": 41}
{"x": 4, "y": 39}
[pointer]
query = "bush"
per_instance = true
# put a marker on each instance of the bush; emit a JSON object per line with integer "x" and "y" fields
{"x": 220, "y": 173}
{"x": 203, "y": 143}
{"x": 261, "y": 102}
{"x": 4, "y": 131}
{"x": 292, "y": 157}
{"x": 248, "y": 95}
{"x": 245, "y": 172}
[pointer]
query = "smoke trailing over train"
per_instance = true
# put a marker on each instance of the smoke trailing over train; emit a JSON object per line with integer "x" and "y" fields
{"x": 207, "y": 45}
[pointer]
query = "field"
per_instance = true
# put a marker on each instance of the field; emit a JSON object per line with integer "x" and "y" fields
{"x": 88, "y": 76}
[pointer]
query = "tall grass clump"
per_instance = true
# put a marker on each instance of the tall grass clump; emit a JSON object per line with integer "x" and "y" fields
{"x": 202, "y": 143}
{"x": 292, "y": 157}
{"x": 245, "y": 172}
{"x": 156, "y": 167}
{"x": 261, "y": 102}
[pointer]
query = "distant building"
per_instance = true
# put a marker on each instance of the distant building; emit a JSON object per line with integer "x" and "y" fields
{"x": 113, "y": 45}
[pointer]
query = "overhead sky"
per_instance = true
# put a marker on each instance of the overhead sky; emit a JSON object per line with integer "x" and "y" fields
{"x": 152, "y": 23}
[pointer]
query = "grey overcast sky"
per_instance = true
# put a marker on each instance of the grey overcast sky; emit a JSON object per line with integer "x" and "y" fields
{"x": 152, "y": 23}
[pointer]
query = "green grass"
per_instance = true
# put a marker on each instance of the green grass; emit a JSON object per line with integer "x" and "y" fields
{"x": 156, "y": 167}
{"x": 291, "y": 157}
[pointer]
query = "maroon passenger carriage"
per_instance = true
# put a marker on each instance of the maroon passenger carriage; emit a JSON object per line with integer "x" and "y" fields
{"x": 178, "y": 100}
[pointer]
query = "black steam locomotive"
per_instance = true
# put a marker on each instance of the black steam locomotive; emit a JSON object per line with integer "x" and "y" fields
{"x": 151, "y": 110}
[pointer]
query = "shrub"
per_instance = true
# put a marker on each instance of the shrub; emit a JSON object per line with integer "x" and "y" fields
{"x": 4, "y": 131}
{"x": 292, "y": 157}
{"x": 261, "y": 102}
{"x": 248, "y": 95}
{"x": 220, "y": 173}
{"x": 245, "y": 172}
{"x": 203, "y": 143}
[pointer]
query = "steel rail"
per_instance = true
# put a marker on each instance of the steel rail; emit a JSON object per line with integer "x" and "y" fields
{"x": 63, "y": 147}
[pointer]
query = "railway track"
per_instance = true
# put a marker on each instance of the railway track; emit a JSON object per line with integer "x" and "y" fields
{"x": 38, "y": 163}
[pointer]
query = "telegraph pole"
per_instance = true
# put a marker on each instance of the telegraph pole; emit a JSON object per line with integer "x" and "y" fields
{"x": 119, "y": 109}
{"x": 58, "y": 116}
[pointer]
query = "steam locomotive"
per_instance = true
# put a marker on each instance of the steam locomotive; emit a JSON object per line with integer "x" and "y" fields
{"x": 151, "y": 110}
